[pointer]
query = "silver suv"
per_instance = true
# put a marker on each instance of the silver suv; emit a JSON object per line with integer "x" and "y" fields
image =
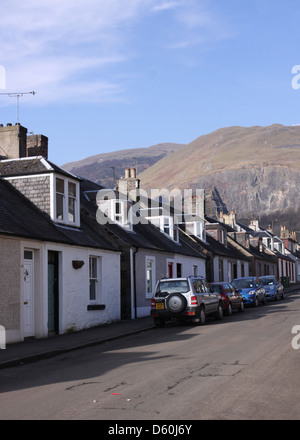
{"x": 185, "y": 299}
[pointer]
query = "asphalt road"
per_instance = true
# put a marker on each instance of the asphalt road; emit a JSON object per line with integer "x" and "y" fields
{"x": 243, "y": 367}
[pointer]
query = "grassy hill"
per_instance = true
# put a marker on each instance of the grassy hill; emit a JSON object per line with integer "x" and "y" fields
{"x": 98, "y": 168}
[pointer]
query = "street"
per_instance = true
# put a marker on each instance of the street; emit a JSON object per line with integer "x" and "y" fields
{"x": 243, "y": 367}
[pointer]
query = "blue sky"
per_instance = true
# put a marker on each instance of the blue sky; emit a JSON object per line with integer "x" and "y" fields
{"x": 115, "y": 74}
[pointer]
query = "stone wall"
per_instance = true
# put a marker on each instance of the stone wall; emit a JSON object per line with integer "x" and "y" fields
{"x": 36, "y": 189}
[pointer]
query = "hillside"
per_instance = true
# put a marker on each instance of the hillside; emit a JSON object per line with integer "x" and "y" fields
{"x": 98, "y": 167}
{"x": 255, "y": 170}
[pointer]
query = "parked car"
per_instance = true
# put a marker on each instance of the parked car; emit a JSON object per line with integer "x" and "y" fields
{"x": 274, "y": 288}
{"x": 185, "y": 299}
{"x": 231, "y": 298}
{"x": 252, "y": 290}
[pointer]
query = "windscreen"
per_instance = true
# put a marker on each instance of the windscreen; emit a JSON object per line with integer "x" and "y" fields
{"x": 267, "y": 281}
{"x": 164, "y": 288}
{"x": 247, "y": 283}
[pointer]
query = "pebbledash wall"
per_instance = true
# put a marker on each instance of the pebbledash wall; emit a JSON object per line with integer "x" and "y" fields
{"x": 10, "y": 312}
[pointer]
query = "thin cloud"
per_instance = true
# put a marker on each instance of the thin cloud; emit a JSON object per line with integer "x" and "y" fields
{"x": 77, "y": 49}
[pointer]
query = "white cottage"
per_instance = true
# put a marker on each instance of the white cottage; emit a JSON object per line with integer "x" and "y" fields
{"x": 52, "y": 262}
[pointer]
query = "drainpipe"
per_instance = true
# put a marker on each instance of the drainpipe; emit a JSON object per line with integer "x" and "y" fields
{"x": 134, "y": 283}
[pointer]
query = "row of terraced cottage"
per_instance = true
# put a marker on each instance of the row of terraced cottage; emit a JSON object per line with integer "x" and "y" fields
{"x": 76, "y": 255}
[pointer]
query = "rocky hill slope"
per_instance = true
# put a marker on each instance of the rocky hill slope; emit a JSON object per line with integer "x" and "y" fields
{"x": 255, "y": 170}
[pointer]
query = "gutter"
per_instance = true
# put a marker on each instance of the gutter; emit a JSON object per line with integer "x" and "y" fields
{"x": 134, "y": 283}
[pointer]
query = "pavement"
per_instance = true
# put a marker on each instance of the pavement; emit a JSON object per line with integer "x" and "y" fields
{"x": 32, "y": 350}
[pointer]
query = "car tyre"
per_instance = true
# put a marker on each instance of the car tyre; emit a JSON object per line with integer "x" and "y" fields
{"x": 242, "y": 306}
{"x": 200, "y": 320}
{"x": 256, "y": 302}
{"x": 176, "y": 303}
{"x": 220, "y": 313}
{"x": 229, "y": 310}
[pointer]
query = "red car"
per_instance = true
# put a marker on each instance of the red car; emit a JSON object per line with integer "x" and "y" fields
{"x": 231, "y": 298}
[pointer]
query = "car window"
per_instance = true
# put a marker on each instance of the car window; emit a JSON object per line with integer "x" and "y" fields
{"x": 164, "y": 288}
{"x": 216, "y": 288}
{"x": 246, "y": 283}
{"x": 267, "y": 281}
{"x": 200, "y": 287}
{"x": 205, "y": 286}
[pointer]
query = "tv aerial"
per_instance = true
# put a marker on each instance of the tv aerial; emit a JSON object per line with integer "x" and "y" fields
{"x": 18, "y": 95}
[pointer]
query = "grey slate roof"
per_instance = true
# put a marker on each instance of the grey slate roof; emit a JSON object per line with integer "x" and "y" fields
{"x": 30, "y": 166}
{"x": 145, "y": 236}
{"x": 19, "y": 217}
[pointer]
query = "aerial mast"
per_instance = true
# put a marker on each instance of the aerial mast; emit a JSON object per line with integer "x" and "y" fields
{"x": 18, "y": 95}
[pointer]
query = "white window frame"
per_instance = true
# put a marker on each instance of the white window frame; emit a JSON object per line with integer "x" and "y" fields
{"x": 65, "y": 220}
{"x": 173, "y": 229}
{"x": 149, "y": 294}
{"x": 97, "y": 278}
{"x": 124, "y": 218}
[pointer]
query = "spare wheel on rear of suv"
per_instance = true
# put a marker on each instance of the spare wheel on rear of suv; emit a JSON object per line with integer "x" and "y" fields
{"x": 176, "y": 303}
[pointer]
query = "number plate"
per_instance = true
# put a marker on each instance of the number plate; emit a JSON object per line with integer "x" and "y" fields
{"x": 160, "y": 306}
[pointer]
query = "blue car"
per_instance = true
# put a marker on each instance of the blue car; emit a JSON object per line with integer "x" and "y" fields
{"x": 274, "y": 289}
{"x": 251, "y": 289}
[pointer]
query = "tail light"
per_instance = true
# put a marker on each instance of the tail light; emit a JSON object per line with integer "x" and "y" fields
{"x": 224, "y": 297}
{"x": 193, "y": 300}
{"x": 153, "y": 303}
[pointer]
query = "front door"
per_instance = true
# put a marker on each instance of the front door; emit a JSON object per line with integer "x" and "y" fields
{"x": 28, "y": 308}
{"x": 53, "y": 319}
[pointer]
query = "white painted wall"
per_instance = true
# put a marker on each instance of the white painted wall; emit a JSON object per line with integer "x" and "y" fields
{"x": 74, "y": 288}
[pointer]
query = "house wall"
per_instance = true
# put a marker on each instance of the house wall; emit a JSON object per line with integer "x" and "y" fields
{"x": 74, "y": 288}
{"x": 36, "y": 189}
{"x": 228, "y": 270}
{"x": 265, "y": 268}
{"x": 143, "y": 300}
{"x": 10, "y": 275}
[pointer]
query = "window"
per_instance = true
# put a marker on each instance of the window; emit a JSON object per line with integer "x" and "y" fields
{"x": 169, "y": 228}
{"x": 60, "y": 195}
{"x": 150, "y": 277}
{"x": 66, "y": 203}
{"x": 121, "y": 213}
{"x": 118, "y": 212}
{"x": 71, "y": 201}
{"x": 94, "y": 278}
{"x": 166, "y": 225}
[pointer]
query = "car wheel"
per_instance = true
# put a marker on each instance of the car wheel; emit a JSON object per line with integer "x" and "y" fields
{"x": 229, "y": 310}
{"x": 242, "y": 306}
{"x": 220, "y": 313}
{"x": 176, "y": 303}
{"x": 200, "y": 320}
{"x": 283, "y": 295}
{"x": 264, "y": 301}
{"x": 256, "y": 302}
